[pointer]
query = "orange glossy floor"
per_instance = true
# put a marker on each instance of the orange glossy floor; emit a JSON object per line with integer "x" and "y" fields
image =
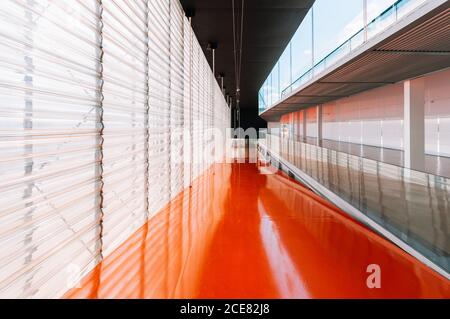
{"x": 241, "y": 234}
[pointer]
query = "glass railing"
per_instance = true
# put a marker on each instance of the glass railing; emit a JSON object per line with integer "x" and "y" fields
{"x": 411, "y": 205}
{"x": 261, "y": 103}
{"x": 347, "y": 47}
{"x": 386, "y": 19}
{"x": 381, "y": 23}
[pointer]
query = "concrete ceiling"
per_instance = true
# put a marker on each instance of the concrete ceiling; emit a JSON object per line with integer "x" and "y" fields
{"x": 268, "y": 27}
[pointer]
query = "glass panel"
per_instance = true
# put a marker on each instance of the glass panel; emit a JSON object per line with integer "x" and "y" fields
{"x": 285, "y": 68}
{"x": 376, "y": 7}
{"x": 406, "y": 6}
{"x": 275, "y": 83}
{"x": 266, "y": 92}
{"x": 383, "y": 21}
{"x": 302, "y": 48}
{"x": 334, "y": 23}
{"x": 261, "y": 103}
{"x": 270, "y": 90}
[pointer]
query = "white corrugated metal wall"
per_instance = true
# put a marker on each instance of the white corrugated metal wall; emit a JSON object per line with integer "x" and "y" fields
{"x": 103, "y": 107}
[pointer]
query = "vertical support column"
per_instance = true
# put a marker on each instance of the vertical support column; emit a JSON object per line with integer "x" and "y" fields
{"x": 319, "y": 124}
{"x": 414, "y": 124}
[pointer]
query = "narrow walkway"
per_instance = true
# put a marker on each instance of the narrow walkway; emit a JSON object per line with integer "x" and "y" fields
{"x": 238, "y": 233}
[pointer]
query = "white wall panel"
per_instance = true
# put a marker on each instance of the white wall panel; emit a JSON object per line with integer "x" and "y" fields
{"x": 176, "y": 98}
{"x": 124, "y": 115}
{"x": 188, "y": 101}
{"x": 93, "y": 96}
{"x": 373, "y": 118}
{"x": 196, "y": 110}
{"x": 49, "y": 142}
{"x": 159, "y": 105}
{"x": 444, "y": 135}
{"x": 437, "y": 113}
{"x": 392, "y": 133}
{"x": 432, "y": 135}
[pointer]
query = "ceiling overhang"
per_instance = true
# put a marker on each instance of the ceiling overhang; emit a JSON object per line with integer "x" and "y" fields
{"x": 418, "y": 44}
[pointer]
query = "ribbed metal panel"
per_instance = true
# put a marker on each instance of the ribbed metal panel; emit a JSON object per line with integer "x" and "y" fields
{"x": 49, "y": 141}
{"x": 101, "y": 103}
{"x": 188, "y": 102}
{"x": 124, "y": 116}
{"x": 196, "y": 124}
{"x": 432, "y": 35}
{"x": 159, "y": 104}
{"x": 176, "y": 97}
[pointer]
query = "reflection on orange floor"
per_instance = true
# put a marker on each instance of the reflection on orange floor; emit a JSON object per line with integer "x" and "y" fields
{"x": 240, "y": 234}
